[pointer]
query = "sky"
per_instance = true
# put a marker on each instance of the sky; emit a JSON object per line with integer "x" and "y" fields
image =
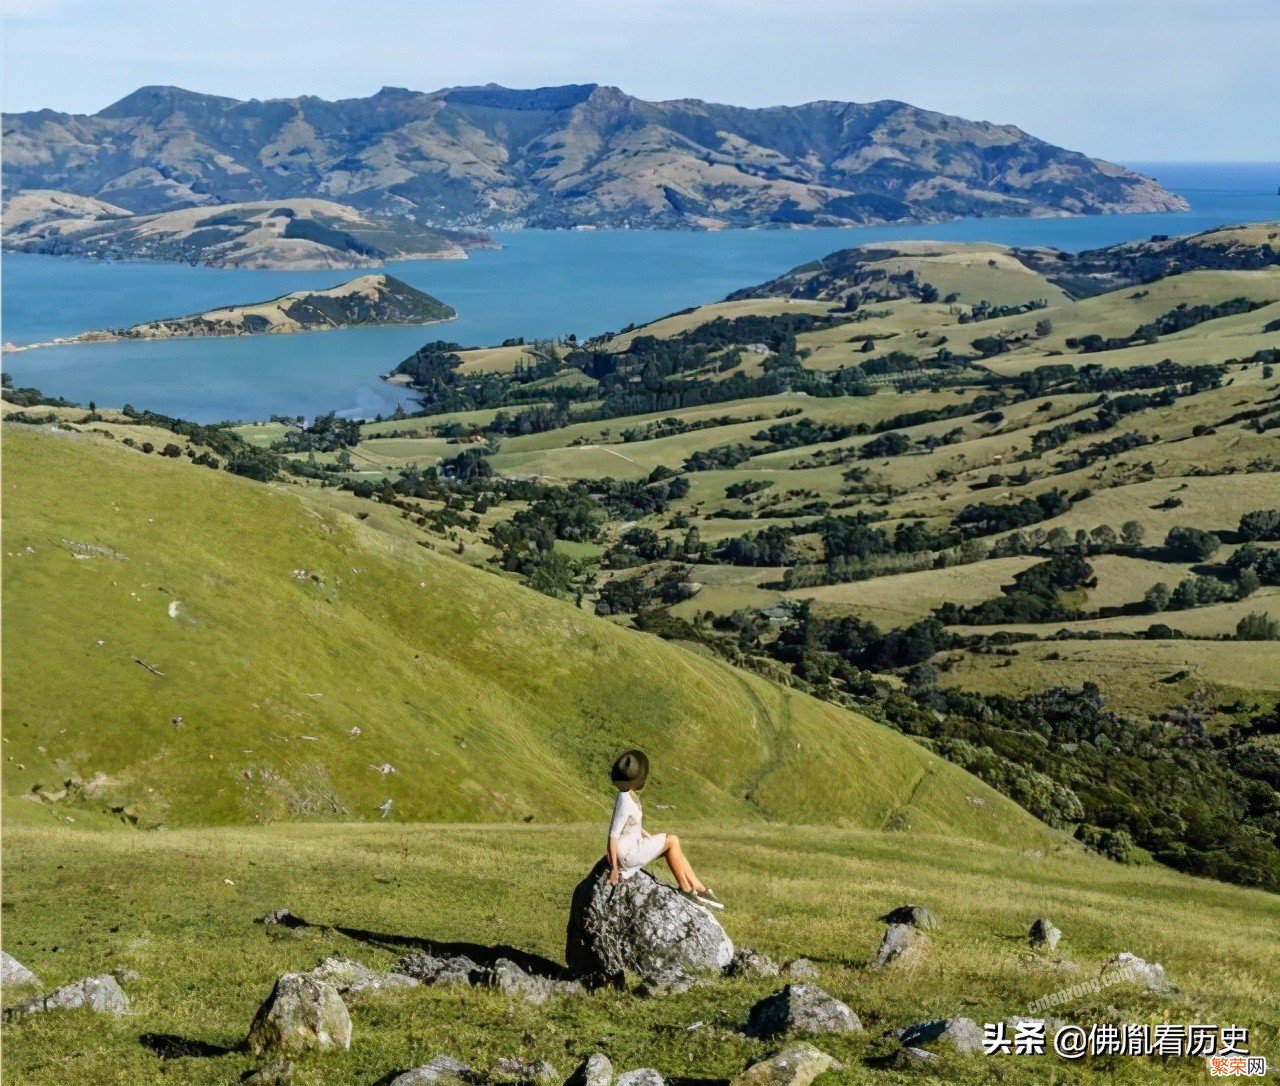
{"x": 1127, "y": 80}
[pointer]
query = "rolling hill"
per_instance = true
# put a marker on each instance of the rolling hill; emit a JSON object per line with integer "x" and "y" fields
{"x": 187, "y": 647}
{"x": 292, "y": 234}
{"x": 564, "y": 156}
{"x": 367, "y": 301}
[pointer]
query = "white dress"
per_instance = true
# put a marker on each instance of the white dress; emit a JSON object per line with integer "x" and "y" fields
{"x": 627, "y": 829}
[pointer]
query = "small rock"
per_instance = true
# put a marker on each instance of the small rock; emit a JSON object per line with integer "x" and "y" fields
{"x": 13, "y": 974}
{"x": 796, "y": 1065}
{"x": 525, "y": 1071}
{"x": 642, "y": 1076}
{"x": 963, "y": 1034}
{"x": 1044, "y": 934}
{"x": 440, "y": 1069}
{"x": 911, "y": 1056}
{"x": 273, "y": 1074}
{"x": 126, "y": 976}
{"x": 801, "y": 1008}
{"x": 595, "y": 1070}
{"x": 350, "y": 976}
{"x": 1149, "y": 974}
{"x": 902, "y": 945}
{"x": 302, "y": 1012}
{"x": 665, "y": 983}
{"x": 917, "y": 916}
{"x": 282, "y": 918}
{"x": 751, "y": 963}
{"x": 801, "y": 969}
{"x": 514, "y": 981}
{"x": 101, "y": 994}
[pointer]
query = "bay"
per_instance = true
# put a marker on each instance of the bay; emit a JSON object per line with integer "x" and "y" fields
{"x": 540, "y": 284}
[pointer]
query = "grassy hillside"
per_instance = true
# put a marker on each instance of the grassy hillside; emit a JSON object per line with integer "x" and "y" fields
{"x": 189, "y": 647}
{"x": 177, "y": 907}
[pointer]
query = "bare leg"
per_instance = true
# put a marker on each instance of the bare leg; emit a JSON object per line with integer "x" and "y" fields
{"x": 680, "y": 866}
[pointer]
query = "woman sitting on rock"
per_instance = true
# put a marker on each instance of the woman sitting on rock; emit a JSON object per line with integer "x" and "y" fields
{"x": 631, "y": 846}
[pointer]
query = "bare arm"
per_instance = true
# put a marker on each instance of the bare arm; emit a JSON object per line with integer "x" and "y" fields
{"x": 611, "y": 851}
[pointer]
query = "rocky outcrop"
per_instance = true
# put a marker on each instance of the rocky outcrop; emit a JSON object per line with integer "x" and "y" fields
{"x": 962, "y": 1034}
{"x": 1126, "y": 966}
{"x": 514, "y": 981}
{"x": 801, "y": 1008}
{"x": 439, "y": 1071}
{"x": 13, "y": 974}
{"x": 100, "y": 994}
{"x": 643, "y": 927}
{"x": 902, "y": 945}
{"x": 302, "y": 1012}
{"x": 916, "y": 916}
{"x": 796, "y": 1065}
{"x": 1043, "y": 935}
{"x": 350, "y": 976}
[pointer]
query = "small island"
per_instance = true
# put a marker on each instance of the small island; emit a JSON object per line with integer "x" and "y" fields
{"x": 366, "y": 301}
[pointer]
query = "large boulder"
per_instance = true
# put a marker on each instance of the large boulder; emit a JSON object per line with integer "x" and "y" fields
{"x": 101, "y": 994}
{"x": 801, "y": 1008}
{"x": 796, "y": 1065}
{"x": 641, "y": 1076}
{"x": 302, "y": 1012}
{"x": 13, "y": 974}
{"x": 641, "y": 926}
{"x": 595, "y": 1070}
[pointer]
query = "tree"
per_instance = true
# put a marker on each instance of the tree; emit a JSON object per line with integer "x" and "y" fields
{"x": 1191, "y": 544}
{"x": 1156, "y": 598}
{"x": 1043, "y": 327}
{"x": 1132, "y": 533}
{"x": 1257, "y": 627}
{"x": 1103, "y": 538}
{"x": 1261, "y": 525}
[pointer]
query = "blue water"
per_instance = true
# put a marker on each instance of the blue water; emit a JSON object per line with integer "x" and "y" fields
{"x": 541, "y": 284}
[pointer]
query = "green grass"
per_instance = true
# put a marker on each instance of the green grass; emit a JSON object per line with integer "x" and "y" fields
{"x": 178, "y": 906}
{"x": 294, "y": 624}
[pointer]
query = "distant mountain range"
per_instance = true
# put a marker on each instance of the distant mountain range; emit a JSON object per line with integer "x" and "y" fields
{"x": 561, "y": 157}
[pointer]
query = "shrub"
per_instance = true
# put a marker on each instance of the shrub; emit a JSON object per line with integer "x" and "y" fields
{"x": 1191, "y": 544}
{"x": 1257, "y": 627}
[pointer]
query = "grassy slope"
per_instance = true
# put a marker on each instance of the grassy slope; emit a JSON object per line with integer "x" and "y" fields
{"x": 160, "y": 903}
{"x": 491, "y": 702}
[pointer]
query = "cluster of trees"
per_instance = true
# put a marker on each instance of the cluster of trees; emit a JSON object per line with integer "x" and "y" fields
{"x": 988, "y": 518}
{"x": 1109, "y": 413}
{"x": 1034, "y": 596}
{"x": 327, "y": 433}
{"x": 985, "y": 311}
{"x": 1177, "y": 319}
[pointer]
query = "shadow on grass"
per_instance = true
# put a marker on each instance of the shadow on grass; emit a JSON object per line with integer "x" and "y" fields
{"x": 483, "y": 955}
{"x": 169, "y": 1046}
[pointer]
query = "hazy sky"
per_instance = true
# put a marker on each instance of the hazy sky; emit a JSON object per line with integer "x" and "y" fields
{"x": 1131, "y": 80}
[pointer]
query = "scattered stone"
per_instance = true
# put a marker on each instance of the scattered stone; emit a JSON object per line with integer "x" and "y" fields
{"x": 1044, "y": 934}
{"x": 100, "y": 994}
{"x": 514, "y": 981}
{"x": 524, "y": 1070}
{"x": 281, "y": 918}
{"x": 1149, "y": 974}
{"x": 443, "y": 1070}
{"x": 302, "y": 1012}
{"x": 801, "y": 969}
{"x": 902, "y": 945}
{"x": 751, "y": 963}
{"x": 351, "y": 976}
{"x": 642, "y": 1076}
{"x": 910, "y": 1057}
{"x": 273, "y": 1074}
{"x": 669, "y": 982}
{"x": 595, "y": 1070}
{"x": 917, "y": 916}
{"x": 796, "y": 1065}
{"x": 441, "y": 971}
{"x": 125, "y": 976}
{"x": 963, "y": 1034}
{"x": 801, "y": 1008}
{"x": 13, "y": 974}
{"x": 641, "y": 926}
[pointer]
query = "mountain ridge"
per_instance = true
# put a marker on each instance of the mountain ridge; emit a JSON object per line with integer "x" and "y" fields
{"x": 573, "y": 155}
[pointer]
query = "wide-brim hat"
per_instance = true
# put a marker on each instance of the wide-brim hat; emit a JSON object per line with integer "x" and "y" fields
{"x": 630, "y": 769}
